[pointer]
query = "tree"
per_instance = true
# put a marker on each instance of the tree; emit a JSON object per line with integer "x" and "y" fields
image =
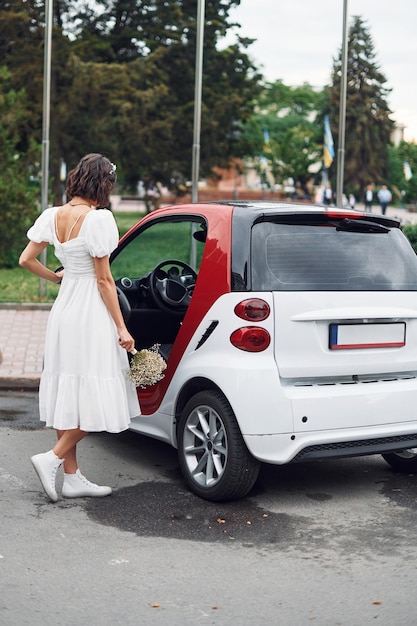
{"x": 285, "y": 115}
{"x": 408, "y": 155}
{"x": 123, "y": 82}
{"x": 402, "y": 165}
{"x": 368, "y": 122}
{"x": 17, "y": 195}
{"x": 21, "y": 51}
{"x": 111, "y": 109}
{"x": 153, "y": 46}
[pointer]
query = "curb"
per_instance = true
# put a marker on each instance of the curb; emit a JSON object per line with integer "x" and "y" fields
{"x": 19, "y": 384}
{"x": 26, "y": 306}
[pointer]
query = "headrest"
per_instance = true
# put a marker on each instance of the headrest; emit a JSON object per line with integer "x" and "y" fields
{"x": 200, "y": 235}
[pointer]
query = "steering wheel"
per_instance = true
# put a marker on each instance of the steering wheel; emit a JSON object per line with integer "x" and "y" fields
{"x": 124, "y": 304}
{"x": 172, "y": 284}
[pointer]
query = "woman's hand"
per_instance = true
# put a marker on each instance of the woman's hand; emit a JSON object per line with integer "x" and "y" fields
{"x": 126, "y": 340}
{"x": 59, "y": 276}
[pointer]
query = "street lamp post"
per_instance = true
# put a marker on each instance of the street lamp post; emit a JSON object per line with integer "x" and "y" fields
{"x": 45, "y": 121}
{"x": 198, "y": 82}
{"x": 197, "y": 99}
{"x": 342, "y": 110}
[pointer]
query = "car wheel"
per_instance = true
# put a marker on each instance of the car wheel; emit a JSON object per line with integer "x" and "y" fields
{"x": 403, "y": 460}
{"x": 213, "y": 456}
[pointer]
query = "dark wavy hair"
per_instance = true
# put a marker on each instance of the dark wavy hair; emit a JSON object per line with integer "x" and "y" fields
{"x": 93, "y": 179}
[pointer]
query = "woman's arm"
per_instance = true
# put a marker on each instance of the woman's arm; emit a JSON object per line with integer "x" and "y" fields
{"x": 28, "y": 260}
{"x": 108, "y": 292}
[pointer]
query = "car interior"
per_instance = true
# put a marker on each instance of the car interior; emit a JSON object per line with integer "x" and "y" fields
{"x": 155, "y": 271}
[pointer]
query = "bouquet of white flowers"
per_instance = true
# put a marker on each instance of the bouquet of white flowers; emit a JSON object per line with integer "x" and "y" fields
{"x": 146, "y": 367}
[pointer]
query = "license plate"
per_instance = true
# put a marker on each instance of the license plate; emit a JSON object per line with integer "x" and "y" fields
{"x": 356, "y": 336}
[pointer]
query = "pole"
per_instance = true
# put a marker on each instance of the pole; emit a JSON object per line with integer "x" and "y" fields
{"x": 197, "y": 119}
{"x": 197, "y": 99}
{"x": 45, "y": 121}
{"x": 342, "y": 110}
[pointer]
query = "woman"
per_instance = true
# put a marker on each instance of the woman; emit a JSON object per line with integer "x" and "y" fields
{"x": 83, "y": 386}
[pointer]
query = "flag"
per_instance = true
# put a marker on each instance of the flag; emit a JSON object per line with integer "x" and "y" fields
{"x": 328, "y": 148}
{"x": 266, "y": 146}
{"x": 408, "y": 174}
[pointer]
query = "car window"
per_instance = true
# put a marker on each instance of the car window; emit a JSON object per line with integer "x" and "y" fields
{"x": 162, "y": 240}
{"x": 308, "y": 257}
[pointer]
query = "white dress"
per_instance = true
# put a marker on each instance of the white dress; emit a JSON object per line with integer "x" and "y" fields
{"x": 84, "y": 381}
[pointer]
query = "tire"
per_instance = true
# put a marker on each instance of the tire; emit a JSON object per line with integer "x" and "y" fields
{"x": 213, "y": 456}
{"x": 403, "y": 460}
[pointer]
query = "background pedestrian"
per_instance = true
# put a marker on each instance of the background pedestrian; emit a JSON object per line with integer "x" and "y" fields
{"x": 384, "y": 198}
{"x": 369, "y": 197}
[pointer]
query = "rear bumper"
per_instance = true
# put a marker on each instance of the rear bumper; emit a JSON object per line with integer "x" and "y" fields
{"x": 292, "y": 448}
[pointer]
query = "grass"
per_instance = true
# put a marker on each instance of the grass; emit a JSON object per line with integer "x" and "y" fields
{"x": 164, "y": 241}
{"x": 19, "y": 285}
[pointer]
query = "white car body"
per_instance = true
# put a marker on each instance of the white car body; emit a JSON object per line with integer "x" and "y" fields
{"x": 334, "y": 372}
{"x": 296, "y": 393}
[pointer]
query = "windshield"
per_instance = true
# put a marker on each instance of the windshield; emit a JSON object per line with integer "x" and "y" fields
{"x": 325, "y": 257}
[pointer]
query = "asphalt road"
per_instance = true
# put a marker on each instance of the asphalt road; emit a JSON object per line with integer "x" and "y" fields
{"x": 329, "y": 543}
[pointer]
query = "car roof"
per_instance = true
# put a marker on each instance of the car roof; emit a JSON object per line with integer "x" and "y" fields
{"x": 249, "y": 211}
{"x": 262, "y": 207}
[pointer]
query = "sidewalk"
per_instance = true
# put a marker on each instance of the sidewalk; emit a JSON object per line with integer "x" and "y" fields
{"x": 22, "y": 335}
{"x": 23, "y": 326}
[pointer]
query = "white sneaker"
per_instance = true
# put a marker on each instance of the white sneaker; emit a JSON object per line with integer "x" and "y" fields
{"x": 77, "y": 486}
{"x": 46, "y": 466}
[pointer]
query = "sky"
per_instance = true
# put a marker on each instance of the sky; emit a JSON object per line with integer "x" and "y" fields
{"x": 297, "y": 41}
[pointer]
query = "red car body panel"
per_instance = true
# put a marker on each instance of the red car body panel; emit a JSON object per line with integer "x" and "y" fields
{"x": 214, "y": 279}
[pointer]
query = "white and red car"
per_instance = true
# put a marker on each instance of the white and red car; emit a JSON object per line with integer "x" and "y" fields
{"x": 290, "y": 333}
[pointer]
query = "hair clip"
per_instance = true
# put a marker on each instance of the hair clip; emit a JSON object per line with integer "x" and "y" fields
{"x": 113, "y": 168}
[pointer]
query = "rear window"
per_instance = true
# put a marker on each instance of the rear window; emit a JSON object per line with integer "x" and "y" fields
{"x": 319, "y": 257}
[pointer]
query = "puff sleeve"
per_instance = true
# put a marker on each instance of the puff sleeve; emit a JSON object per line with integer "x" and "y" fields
{"x": 42, "y": 229}
{"x": 102, "y": 235}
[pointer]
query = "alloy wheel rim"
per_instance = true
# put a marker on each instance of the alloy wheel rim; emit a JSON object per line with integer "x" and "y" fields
{"x": 205, "y": 446}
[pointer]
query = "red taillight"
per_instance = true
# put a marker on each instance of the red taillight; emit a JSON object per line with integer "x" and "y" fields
{"x": 340, "y": 214}
{"x": 253, "y": 310}
{"x": 250, "y": 339}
